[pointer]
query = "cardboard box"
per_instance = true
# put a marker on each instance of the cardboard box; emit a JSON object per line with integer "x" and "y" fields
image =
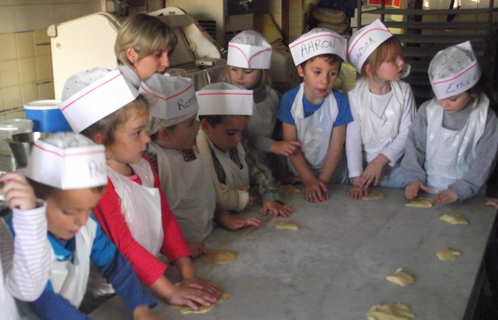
{"x": 388, "y": 3}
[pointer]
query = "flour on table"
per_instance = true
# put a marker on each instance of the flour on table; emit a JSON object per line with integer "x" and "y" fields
{"x": 219, "y": 256}
{"x": 448, "y": 254}
{"x": 373, "y": 195}
{"x": 286, "y": 225}
{"x": 401, "y": 277}
{"x": 422, "y": 203}
{"x": 202, "y": 309}
{"x": 390, "y": 311}
{"x": 454, "y": 218}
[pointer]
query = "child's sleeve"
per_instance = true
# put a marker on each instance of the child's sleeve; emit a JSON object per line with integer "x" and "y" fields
{"x": 260, "y": 175}
{"x": 283, "y": 112}
{"x": 108, "y": 212}
{"x": 483, "y": 164}
{"x": 395, "y": 150}
{"x": 52, "y": 306}
{"x": 174, "y": 244}
{"x": 27, "y": 275}
{"x": 344, "y": 113}
{"x": 412, "y": 164}
{"x": 118, "y": 272}
{"x": 353, "y": 140}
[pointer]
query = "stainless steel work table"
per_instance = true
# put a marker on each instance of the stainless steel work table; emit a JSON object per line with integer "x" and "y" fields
{"x": 335, "y": 266}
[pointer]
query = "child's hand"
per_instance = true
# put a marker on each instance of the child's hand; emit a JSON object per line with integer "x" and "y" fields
{"x": 197, "y": 248}
{"x": 144, "y": 313}
{"x": 232, "y": 223}
{"x": 18, "y": 193}
{"x": 315, "y": 191}
{"x": 357, "y": 192}
{"x": 492, "y": 202}
{"x": 188, "y": 295}
{"x": 210, "y": 288}
{"x": 285, "y": 148}
{"x": 411, "y": 190}
{"x": 277, "y": 208}
{"x": 447, "y": 196}
{"x": 372, "y": 171}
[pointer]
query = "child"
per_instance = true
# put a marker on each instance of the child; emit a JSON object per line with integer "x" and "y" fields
{"x": 182, "y": 170}
{"x": 68, "y": 171}
{"x": 224, "y": 111}
{"x": 248, "y": 61}
{"x": 133, "y": 210}
{"x": 142, "y": 47}
{"x": 452, "y": 144}
{"x": 316, "y": 115}
{"x": 383, "y": 108}
{"x": 25, "y": 260}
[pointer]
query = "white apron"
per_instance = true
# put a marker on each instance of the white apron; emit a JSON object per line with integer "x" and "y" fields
{"x": 451, "y": 152}
{"x": 69, "y": 279}
{"x": 189, "y": 190}
{"x": 314, "y": 132}
{"x": 140, "y": 205}
{"x": 379, "y": 132}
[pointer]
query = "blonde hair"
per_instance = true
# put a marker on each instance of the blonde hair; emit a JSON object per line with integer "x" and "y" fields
{"x": 108, "y": 125}
{"x": 265, "y": 75}
{"x": 145, "y": 34}
{"x": 389, "y": 49}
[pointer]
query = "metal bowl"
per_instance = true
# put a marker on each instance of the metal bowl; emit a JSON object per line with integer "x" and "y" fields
{"x": 21, "y": 145}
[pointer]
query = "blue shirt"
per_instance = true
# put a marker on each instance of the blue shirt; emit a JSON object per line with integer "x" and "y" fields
{"x": 110, "y": 262}
{"x": 283, "y": 112}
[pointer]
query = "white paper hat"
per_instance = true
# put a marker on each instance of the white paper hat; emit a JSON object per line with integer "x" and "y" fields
{"x": 172, "y": 98}
{"x": 224, "y": 99}
{"x": 249, "y": 50}
{"x": 66, "y": 161}
{"x": 93, "y": 94}
{"x": 454, "y": 70}
{"x": 365, "y": 41}
{"x": 317, "y": 42}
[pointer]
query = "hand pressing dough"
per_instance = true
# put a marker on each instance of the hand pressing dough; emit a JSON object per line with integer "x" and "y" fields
{"x": 202, "y": 309}
{"x": 219, "y": 256}
{"x": 400, "y": 277}
{"x": 288, "y": 188}
{"x": 287, "y": 225}
{"x": 373, "y": 195}
{"x": 448, "y": 254}
{"x": 422, "y": 203}
{"x": 454, "y": 218}
{"x": 390, "y": 311}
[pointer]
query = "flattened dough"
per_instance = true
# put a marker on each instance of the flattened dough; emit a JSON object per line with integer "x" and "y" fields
{"x": 288, "y": 188}
{"x": 373, "y": 195}
{"x": 390, "y": 311}
{"x": 448, "y": 254}
{"x": 422, "y": 203}
{"x": 202, "y": 309}
{"x": 287, "y": 225}
{"x": 454, "y": 218}
{"x": 400, "y": 277}
{"x": 219, "y": 256}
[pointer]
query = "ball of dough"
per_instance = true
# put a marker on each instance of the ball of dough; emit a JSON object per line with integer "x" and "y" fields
{"x": 287, "y": 225}
{"x": 390, "y": 311}
{"x": 373, "y": 195}
{"x": 220, "y": 256}
{"x": 288, "y": 188}
{"x": 454, "y": 218}
{"x": 448, "y": 254}
{"x": 422, "y": 203}
{"x": 400, "y": 277}
{"x": 202, "y": 309}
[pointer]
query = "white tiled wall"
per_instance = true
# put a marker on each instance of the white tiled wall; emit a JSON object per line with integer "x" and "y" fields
{"x": 25, "y": 57}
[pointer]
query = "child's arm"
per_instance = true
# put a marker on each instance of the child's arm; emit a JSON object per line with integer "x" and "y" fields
{"x": 28, "y": 274}
{"x": 316, "y": 190}
{"x": 482, "y": 165}
{"x": 52, "y": 306}
{"x": 412, "y": 164}
{"x": 333, "y": 153}
{"x": 190, "y": 278}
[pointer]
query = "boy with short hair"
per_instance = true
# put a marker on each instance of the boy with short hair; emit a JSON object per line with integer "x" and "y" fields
{"x": 315, "y": 115}
{"x": 68, "y": 171}
{"x": 224, "y": 111}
